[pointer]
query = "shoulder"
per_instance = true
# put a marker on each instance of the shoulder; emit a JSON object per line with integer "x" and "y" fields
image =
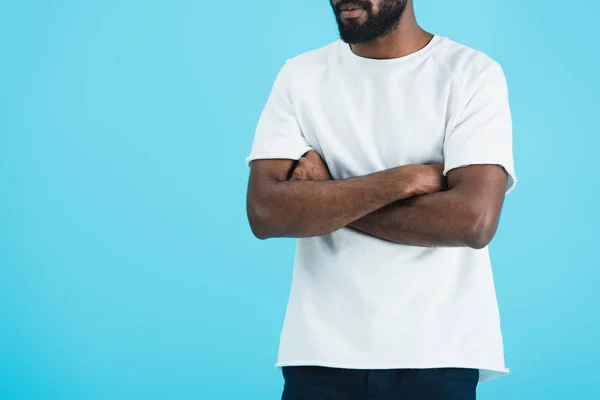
{"x": 313, "y": 60}
{"x": 467, "y": 66}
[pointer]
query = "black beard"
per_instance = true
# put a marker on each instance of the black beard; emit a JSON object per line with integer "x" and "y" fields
{"x": 376, "y": 26}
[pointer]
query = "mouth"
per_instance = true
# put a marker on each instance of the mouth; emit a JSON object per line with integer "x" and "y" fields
{"x": 350, "y": 11}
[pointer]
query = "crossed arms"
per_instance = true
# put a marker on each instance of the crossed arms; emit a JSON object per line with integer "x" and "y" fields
{"x": 413, "y": 204}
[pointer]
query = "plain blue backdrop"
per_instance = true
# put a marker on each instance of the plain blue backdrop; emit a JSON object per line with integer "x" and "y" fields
{"x": 127, "y": 267}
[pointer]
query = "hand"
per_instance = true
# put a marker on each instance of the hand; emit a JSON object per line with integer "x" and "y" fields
{"x": 311, "y": 167}
{"x": 424, "y": 179}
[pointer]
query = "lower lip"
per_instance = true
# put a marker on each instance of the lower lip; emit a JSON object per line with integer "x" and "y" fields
{"x": 348, "y": 14}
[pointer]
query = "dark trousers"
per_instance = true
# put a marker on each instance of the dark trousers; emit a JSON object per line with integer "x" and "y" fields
{"x": 321, "y": 383}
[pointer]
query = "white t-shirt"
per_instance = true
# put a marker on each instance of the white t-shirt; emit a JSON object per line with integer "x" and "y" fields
{"x": 357, "y": 301}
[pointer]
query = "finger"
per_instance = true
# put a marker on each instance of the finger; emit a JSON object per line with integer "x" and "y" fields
{"x": 312, "y": 156}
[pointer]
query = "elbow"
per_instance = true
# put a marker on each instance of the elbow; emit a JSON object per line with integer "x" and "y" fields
{"x": 258, "y": 217}
{"x": 481, "y": 229}
{"x": 259, "y": 233}
{"x": 479, "y": 240}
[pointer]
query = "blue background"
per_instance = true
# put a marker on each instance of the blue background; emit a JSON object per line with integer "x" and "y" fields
{"x": 128, "y": 270}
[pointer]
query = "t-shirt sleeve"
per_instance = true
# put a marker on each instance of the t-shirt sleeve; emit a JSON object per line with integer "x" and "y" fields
{"x": 483, "y": 131}
{"x": 278, "y": 134}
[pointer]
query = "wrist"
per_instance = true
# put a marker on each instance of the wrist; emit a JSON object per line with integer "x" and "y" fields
{"x": 401, "y": 182}
{"x": 406, "y": 181}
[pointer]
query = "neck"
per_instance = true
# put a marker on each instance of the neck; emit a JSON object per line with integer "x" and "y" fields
{"x": 408, "y": 37}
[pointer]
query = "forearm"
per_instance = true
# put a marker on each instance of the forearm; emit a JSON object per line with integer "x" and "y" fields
{"x": 313, "y": 208}
{"x": 445, "y": 219}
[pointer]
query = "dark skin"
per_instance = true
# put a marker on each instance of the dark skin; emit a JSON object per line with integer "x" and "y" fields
{"x": 411, "y": 204}
{"x": 407, "y": 38}
{"x": 464, "y": 215}
{"x": 288, "y": 200}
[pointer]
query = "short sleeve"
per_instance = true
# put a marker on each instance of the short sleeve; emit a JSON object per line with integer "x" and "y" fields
{"x": 278, "y": 134}
{"x": 483, "y": 132}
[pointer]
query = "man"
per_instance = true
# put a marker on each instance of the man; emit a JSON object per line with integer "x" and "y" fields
{"x": 388, "y": 153}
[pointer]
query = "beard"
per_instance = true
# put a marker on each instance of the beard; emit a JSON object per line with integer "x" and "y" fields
{"x": 377, "y": 24}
